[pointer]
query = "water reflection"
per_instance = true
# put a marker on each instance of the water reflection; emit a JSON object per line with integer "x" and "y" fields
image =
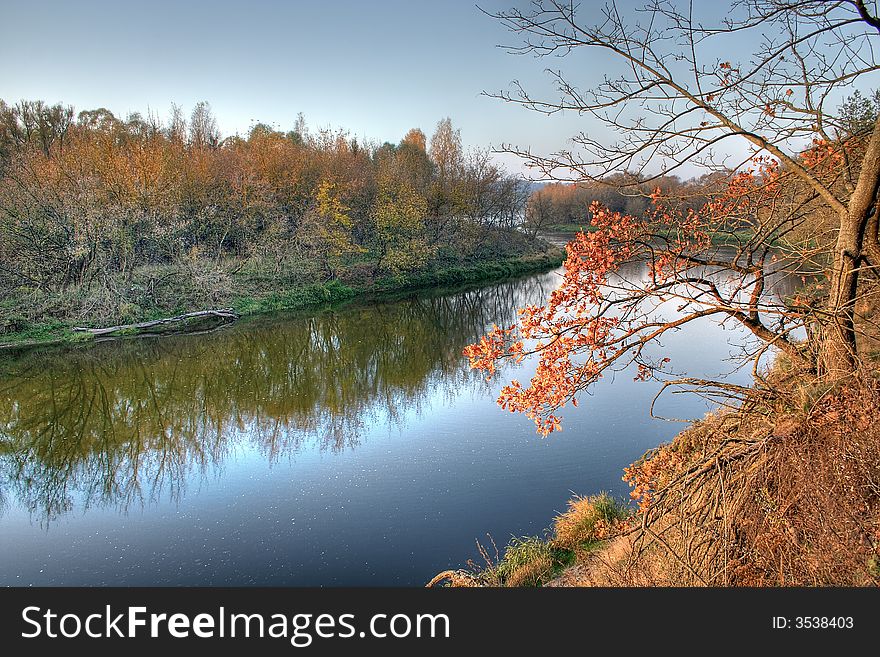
{"x": 132, "y": 421}
{"x": 352, "y": 448}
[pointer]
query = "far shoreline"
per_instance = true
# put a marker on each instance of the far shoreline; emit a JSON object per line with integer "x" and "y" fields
{"x": 310, "y": 298}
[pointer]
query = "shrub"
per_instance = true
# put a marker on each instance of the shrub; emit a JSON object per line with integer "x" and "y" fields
{"x": 587, "y": 521}
{"x": 527, "y": 562}
{"x": 13, "y": 324}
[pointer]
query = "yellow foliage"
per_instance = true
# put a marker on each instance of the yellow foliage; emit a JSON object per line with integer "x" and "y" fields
{"x": 399, "y": 214}
{"x": 328, "y": 227}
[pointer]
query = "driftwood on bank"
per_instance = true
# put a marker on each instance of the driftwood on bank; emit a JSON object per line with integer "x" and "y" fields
{"x": 166, "y": 324}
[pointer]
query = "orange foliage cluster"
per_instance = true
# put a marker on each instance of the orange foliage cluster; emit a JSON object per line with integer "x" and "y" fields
{"x": 826, "y": 153}
{"x": 564, "y": 326}
{"x": 747, "y": 188}
{"x": 650, "y": 474}
{"x": 581, "y": 331}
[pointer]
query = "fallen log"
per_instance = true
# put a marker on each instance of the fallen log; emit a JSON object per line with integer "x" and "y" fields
{"x": 224, "y": 315}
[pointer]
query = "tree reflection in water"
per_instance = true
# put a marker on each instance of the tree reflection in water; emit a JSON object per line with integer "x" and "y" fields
{"x": 131, "y": 421}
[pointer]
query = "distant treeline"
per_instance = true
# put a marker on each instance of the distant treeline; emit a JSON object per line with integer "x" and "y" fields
{"x": 88, "y": 197}
{"x": 566, "y": 205}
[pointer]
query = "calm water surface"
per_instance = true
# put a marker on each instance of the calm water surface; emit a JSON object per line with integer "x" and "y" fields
{"x": 352, "y": 448}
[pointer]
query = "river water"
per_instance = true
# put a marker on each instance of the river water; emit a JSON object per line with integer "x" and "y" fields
{"x": 350, "y": 448}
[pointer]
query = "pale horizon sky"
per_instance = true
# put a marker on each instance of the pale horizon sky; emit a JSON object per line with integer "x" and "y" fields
{"x": 375, "y": 69}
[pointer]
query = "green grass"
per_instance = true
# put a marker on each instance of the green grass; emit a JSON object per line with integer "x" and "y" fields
{"x": 258, "y": 293}
{"x": 527, "y": 561}
{"x": 567, "y": 228}
{"x": 534, "y": 561}
{"x": 463, "y": 275}
{"x": 726, "y": 238}
{"x": 42, "y": 333}
{"x": 314, "y": 295}
{"x": 335, "y": 293}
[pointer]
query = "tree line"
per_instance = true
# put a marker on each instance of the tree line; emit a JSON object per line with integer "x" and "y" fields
{"x": 88, "y": 197}
{"x": 567, "y": 204}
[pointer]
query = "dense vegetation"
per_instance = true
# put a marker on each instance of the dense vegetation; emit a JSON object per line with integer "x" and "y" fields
{"x": 106, "y": 220}
{"x": 566, "y": 206}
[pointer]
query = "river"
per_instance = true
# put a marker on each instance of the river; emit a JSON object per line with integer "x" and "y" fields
{"x": 350, "y": 448}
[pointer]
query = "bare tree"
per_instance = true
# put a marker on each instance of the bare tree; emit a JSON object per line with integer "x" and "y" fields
{"x": 203, "y": 132}
{"x": 670, "y": 100}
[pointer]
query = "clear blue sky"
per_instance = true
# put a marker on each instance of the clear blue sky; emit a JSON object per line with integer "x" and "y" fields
{"x": 374, "y": 67}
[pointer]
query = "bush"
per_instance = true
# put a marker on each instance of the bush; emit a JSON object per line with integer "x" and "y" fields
{"x": 587, "y": 521}
{"x": 13, "y": 324}
{"x": 527, "y": 562}
{"x": 129, "y": 312}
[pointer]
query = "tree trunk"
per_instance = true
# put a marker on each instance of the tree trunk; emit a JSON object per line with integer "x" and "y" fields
{"x": 838, "y": 356}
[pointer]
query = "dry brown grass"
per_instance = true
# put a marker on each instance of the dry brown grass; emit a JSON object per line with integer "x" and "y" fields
{"x": 453, "y": 579}
{"x": 586, "y": 521}
{"x": 781, "y": 496}
{"x": 531, "y": 573}
{"x": 613, "y": 565}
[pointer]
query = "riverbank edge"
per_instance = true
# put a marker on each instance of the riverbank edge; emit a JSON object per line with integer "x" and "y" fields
{"x": 316, "y": 297}
{"x": 731, "y": 471}
{"x": 734, "y": 238}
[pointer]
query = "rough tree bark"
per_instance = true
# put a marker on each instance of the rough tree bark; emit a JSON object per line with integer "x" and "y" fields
{"x": 839, "y": 353}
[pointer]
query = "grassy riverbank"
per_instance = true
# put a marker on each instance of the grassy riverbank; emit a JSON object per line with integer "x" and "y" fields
{"x": 577, "y": 533}
{"x": 32, "y": 317}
